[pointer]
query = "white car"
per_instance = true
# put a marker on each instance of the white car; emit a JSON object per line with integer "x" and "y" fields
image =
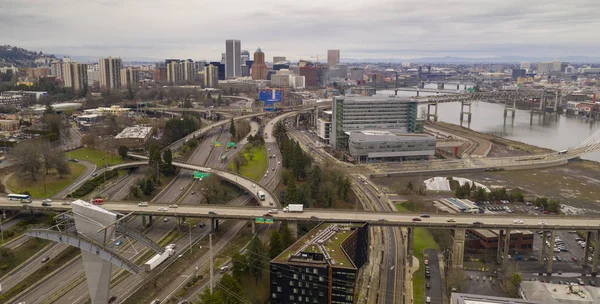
{"x": 162, "y": 209}
{"x": 66, "y": 203}
{"x": 542, "y": 223}
{"x": 518, "y": 221}
{"x": 143, "y": 204}
{"x": 173, "y": 206}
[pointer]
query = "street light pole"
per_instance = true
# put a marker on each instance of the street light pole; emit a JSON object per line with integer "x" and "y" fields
{"x": 191, "y": 247}
{"x": 2, "y": 229}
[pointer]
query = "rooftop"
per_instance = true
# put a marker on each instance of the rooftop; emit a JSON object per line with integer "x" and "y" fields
{"x": 134, "y": 132}
{"x": 369, "y": 135}
{"x": 464, "y": 298}
{"x": 325, "y": 239}
{"x": 560, "y": 294}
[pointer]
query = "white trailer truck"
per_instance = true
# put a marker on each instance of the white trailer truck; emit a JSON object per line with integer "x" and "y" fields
{"x": 293, "y": 208}
{"x": 158, "y": 259}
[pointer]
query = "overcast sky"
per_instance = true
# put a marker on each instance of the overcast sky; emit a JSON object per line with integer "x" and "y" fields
{"x": 300, "y": 29}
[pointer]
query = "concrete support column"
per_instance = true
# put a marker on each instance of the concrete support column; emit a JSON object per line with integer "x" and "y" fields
{"x": 410, "y": 240}
{"x": 298, "y": 120}
{"x": 595, "y": 257}
{"x": 396, "y": 93}
{"x": 551, "y": 252}
{"x": 458, "y": 248}
{"x": 143, "y": 221}
{"x": 586, "y": 250}
{"x": 150, "y": 220}
{"x": 506, "y": 244}
{"x": 253, "y": 227}
{"x": 435, "y": 117}
{"x": 543, "y": 249}
{"x": 499, "y": 249}
{"x": 293, "y": 227}
{"x": 214, "y": 225}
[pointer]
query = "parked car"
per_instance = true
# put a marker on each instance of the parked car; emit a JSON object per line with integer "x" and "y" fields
{"x": 428, "y": 285}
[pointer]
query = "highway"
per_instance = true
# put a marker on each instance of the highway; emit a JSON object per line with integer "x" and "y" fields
{"x": 330, "y": 215}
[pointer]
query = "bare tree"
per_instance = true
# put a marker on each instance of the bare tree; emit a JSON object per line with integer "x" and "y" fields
{"x": 211, "y": 188}
{"x": 28, "y": 157}
{"x": 89, "y": 140}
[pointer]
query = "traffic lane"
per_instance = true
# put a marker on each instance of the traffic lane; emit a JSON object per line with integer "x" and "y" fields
{"x": 435, "y": 290}
{"x": 32, "y": 266}
{"x": 89, "y": 170}
{"x": 125, "y": 188}
{"x": 173, "y": 190}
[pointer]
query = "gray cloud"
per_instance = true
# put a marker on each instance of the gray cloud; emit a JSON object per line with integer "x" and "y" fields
{"x": 301, "y": 29}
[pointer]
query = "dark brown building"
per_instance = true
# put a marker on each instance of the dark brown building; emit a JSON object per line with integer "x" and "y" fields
{"x": 259, "y": 67}
{"x": 310, "y": 76}
{"x": 520, "y": 240}
{"x": 160, "y": 74}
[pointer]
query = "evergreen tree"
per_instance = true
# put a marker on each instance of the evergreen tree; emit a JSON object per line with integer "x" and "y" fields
{"x": 275, "y": 244}
{"x": 123, "y": 150}
{"x": 239, "y": 266}
{"x": 168, "y": 157}
{"x": 286, "y": 237}
{"x": 230, "y": 290}
{"x": 304, "y": 195}
{"x": 315, "y": 179}
{"x": 257, "y": 258}
{"x": 232, "y": 128}
{"x": 291, "y": 194}
{"x": 210, "y": 298}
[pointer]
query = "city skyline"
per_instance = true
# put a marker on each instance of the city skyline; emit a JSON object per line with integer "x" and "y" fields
{"x": 403, "y": 29}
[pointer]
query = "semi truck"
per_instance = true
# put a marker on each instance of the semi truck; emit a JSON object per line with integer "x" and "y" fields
{"x": 158, "y": 259}
{"x": 293, "y": 208}
{"x": 261, "y": 195}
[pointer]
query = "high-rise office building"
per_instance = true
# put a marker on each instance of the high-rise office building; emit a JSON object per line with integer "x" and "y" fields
{"x": 333, "y": 57}
{"x": 310, "y": 75}
{"x": 110, "y": 73}
{"x": 174, "y": 71}
{"x": 358, "y": 113}
{"x": 357, "y": 74}
{"x": 211, "y": 76}
{"x": 160, "y": 73}
{"x": 233, "y": 58}
{"x": 556, "y": 66}
{"x": 188, "y": 70}
{"x": 525, "y": 65}
{"x": 130, "y": 77}
{"x": 75, "y": 75}
{"x": 278, "y": 58}
{"x": 322, "y": 267}
{"x": 259, "y": 67}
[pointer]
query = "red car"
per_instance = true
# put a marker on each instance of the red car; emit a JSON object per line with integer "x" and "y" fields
{"x": 416, "y": 219}
{"x": 112, "y": 299}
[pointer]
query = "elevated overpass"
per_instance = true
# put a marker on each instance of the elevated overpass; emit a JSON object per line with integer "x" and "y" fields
{"x": 249, "y": 185}
{"x": 457, "y": 223}
{"x": 436, "y": 221}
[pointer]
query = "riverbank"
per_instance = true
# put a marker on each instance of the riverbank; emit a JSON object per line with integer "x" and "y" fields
{"x": 509, "y": 145}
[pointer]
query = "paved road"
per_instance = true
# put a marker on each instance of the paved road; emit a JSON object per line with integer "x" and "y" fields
{"x": 89, "y": 169}
{"x": 435, "y": 292}
{"x": 374, "y": 218}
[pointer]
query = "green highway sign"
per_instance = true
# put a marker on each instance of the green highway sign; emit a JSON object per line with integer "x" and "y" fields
{"x": 230, "y": 144}
{"x": 199, "y": 175}
{"x": 268, "y": 221}
{"x": 217, "y": 144}
{"x": 259, "y": 220}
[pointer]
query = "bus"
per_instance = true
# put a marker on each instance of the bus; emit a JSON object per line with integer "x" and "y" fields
{"x": 24, "y": 198}
{"x": 261, "y": 195}
{"x": 223, "y": 158}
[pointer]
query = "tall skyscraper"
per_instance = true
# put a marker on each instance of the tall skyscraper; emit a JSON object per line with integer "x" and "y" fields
{"x": 211, "y": 76}
{"x": 333, "y": 57}
{"x": 259, "y": 68}
{"x": 233, "y": 58}
{"x": 174, "y": 70}
{"x": 189, "y": 70}
{"x": 110, "y": 73}
{"x": 130, "y": 77}
{"x": 278, "y": 58}
{"x": 75, "y": 75}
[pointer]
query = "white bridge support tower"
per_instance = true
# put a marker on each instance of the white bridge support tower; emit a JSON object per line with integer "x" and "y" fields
{"x": 88, "y": 220}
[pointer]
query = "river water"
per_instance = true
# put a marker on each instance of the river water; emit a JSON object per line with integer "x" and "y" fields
{"x": 557, "y": 132}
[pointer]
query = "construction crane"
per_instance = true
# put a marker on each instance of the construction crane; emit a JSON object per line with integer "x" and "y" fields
{"x": 317, "y": 57}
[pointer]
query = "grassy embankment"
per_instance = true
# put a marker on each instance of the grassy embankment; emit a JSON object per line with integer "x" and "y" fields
{"x": 54, "y": 183}
{"x": 255, "y": 168}
{"x": 95, "y": 156}
{"x": 422, "y": 240}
